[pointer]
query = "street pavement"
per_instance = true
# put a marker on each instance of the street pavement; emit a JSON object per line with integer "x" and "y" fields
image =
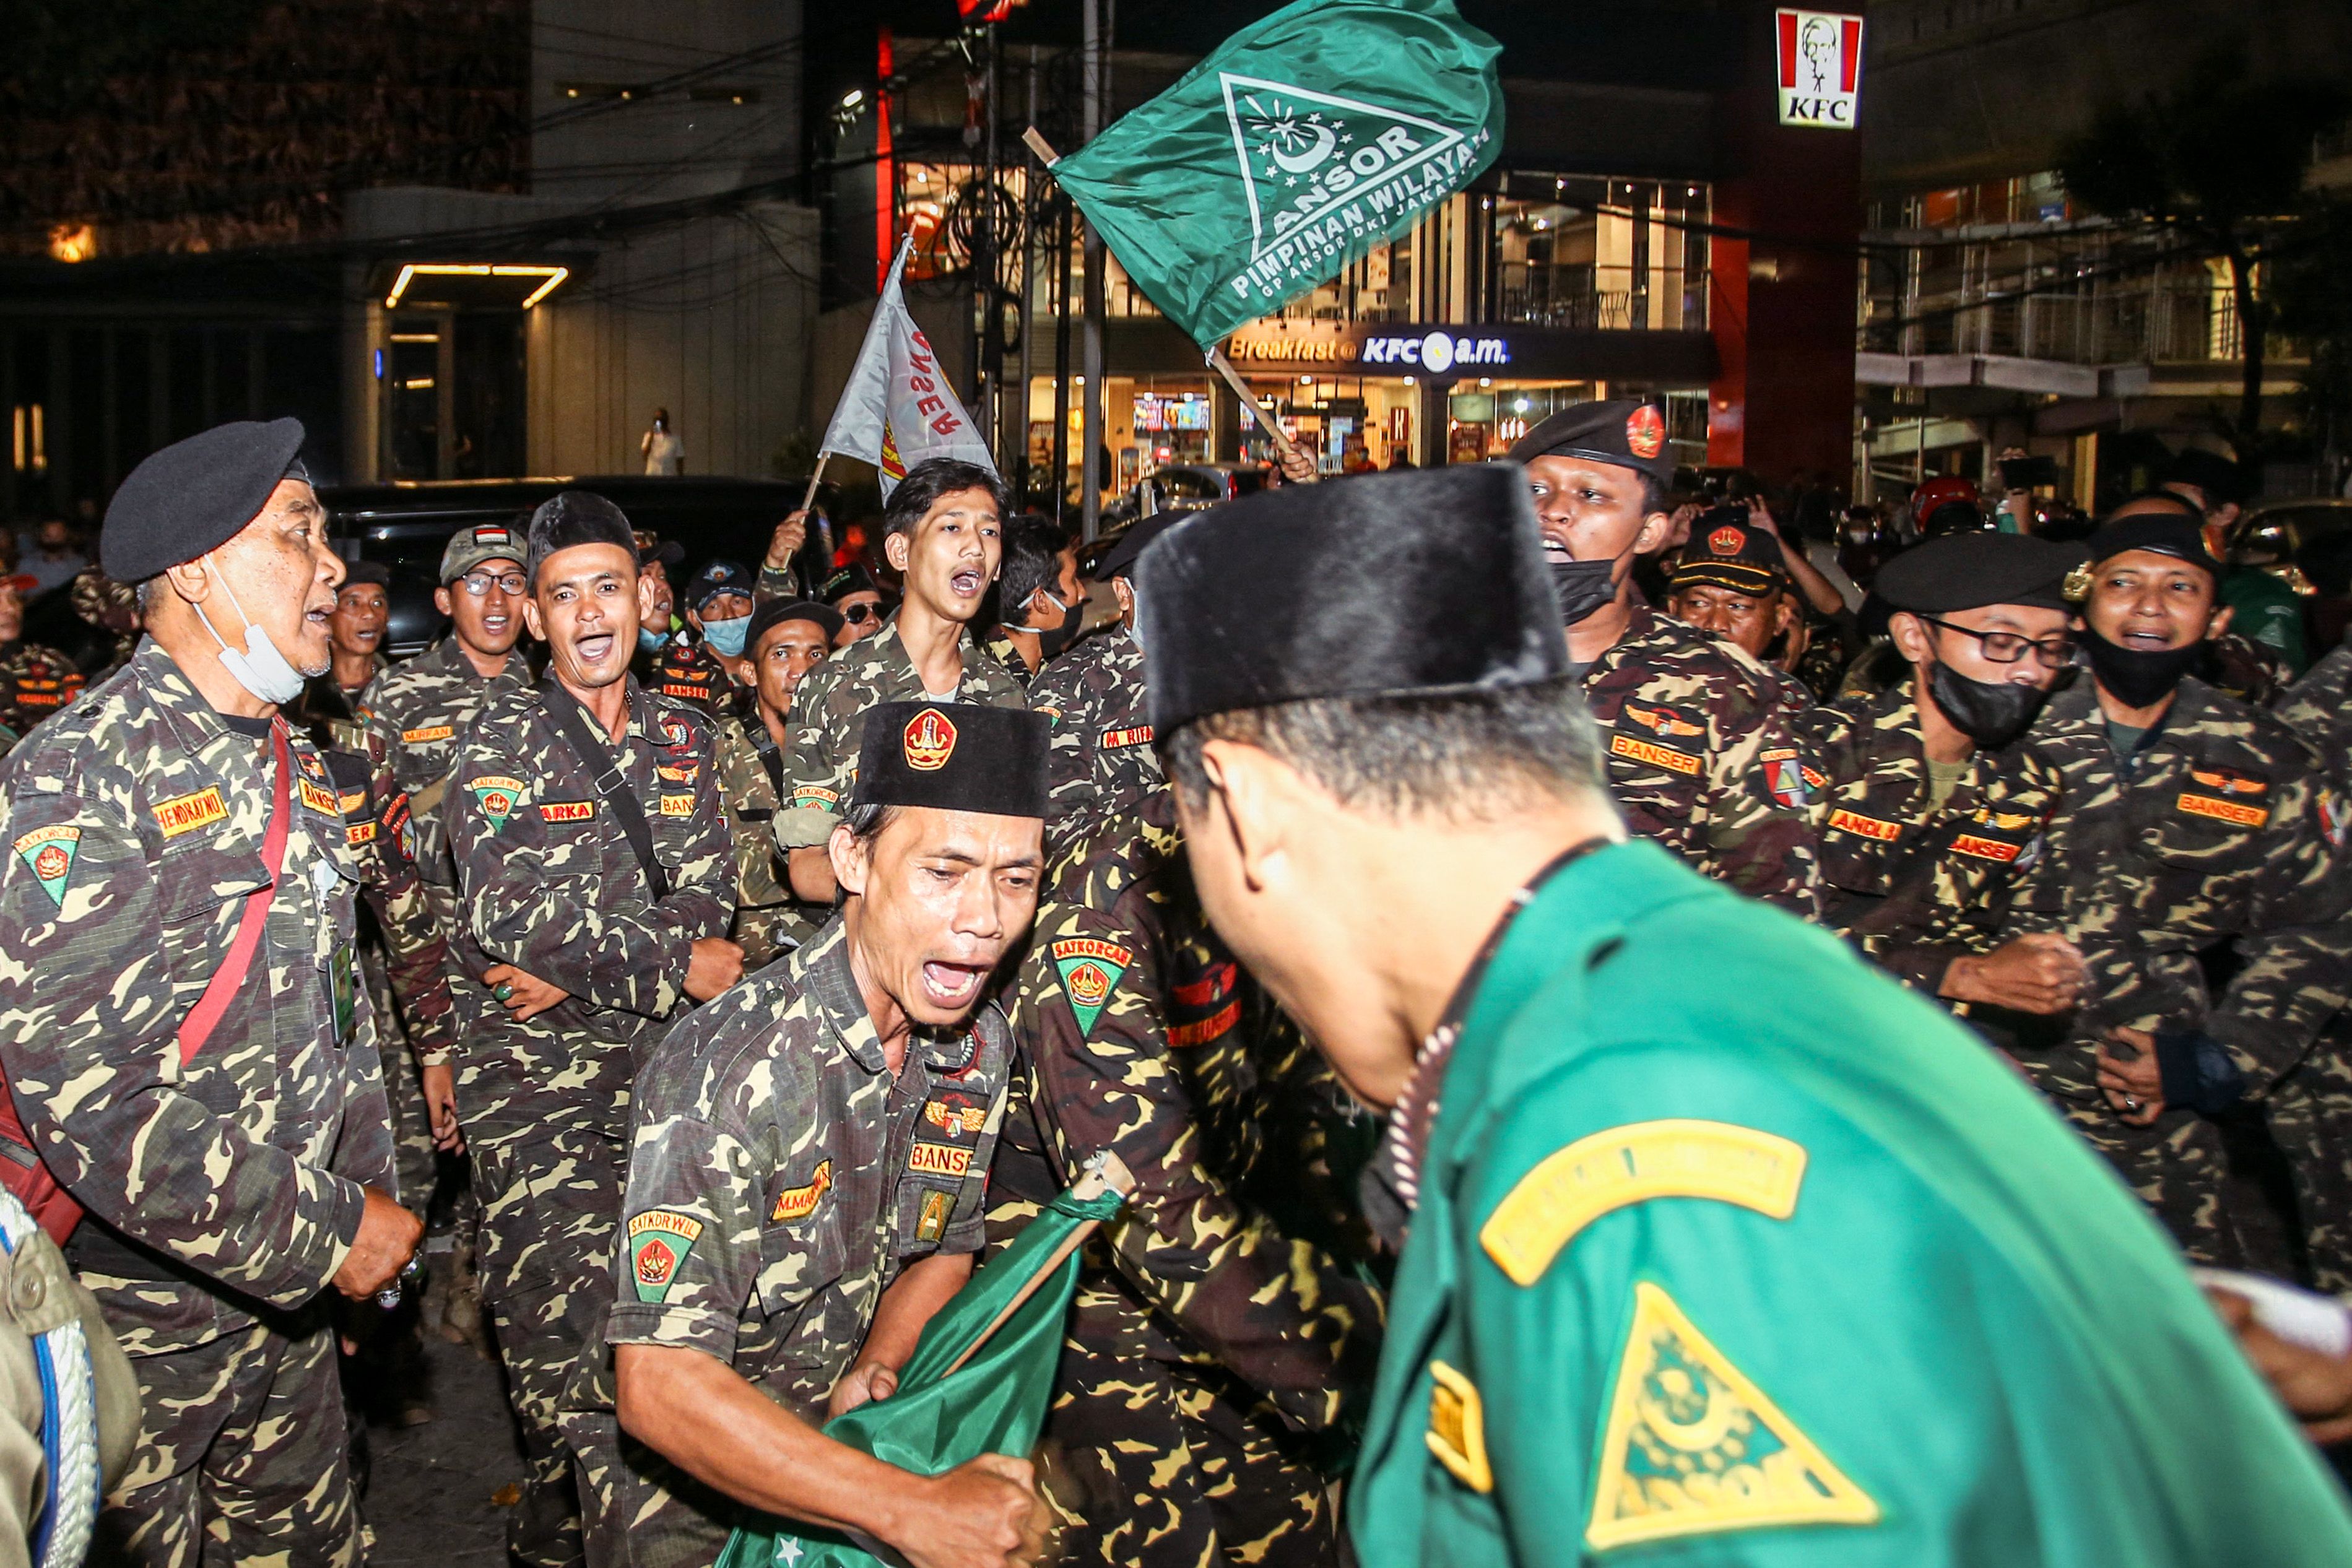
{"x": 431, "y": 1496}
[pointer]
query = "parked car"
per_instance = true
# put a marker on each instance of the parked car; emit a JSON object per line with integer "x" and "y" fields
{"x": 2308, "y": 544}
{"x": 1175, "y": 487}
{"x": 407, "y": 525}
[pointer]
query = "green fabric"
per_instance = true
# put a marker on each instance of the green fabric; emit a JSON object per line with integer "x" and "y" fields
{"x": 1297, "y": 146}
{"x": 994, "y": 1404}
{"x": 1943, "y": 777}
{"x": 2267, "y": 610}
{"x": 1965, "y": 1314}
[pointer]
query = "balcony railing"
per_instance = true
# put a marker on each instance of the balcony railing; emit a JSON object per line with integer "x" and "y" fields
{"x": 1582, "y": 294}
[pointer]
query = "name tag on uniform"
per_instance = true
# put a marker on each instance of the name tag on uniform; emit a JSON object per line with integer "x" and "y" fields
{"x": 186, "y": 813}
{"x": 2233, "y": 812}
{"x": 567, "y": 810}
{"x": 677, "y": 805}
{"x": 430, "y": 732}
{"x": 1138, "y": 734}
{"x": 323, "y": 802}
{"x": 1855, "y": 822}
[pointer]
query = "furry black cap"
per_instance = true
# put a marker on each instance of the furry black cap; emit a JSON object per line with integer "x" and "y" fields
{"x": 195, "y": 495}
{"x": 570, "y": 517}
{"x": 953, "y": 756}
{"x": 1420, "y": 582}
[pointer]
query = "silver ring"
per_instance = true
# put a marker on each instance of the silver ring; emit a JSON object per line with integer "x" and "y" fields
{"x": 2130, "y": 1104}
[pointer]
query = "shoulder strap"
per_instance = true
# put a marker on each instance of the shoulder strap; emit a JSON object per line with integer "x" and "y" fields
{"x": 611, "y": 787}
{"x": 229, "y": 978}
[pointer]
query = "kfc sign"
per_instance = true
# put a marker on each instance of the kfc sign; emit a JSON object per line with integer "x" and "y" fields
{"x": 1821, "y": 69}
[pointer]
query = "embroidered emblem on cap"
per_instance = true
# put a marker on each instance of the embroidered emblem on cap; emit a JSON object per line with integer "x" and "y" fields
{"x": 1645, "y": 432}
{"x": 929, "y": 741}
{"x": 1724, "y": 542}
{"x": 49, "y": 854}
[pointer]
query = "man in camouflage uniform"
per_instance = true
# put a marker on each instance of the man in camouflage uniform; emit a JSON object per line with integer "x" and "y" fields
{"x": 1102, "y": 764}
{"x": 35, "y": 681}
{"x": 111, "y": 609}
{"x": 1931, "y": 808}
{"x": 1222, "y": 1347}
{"x": 1041, "y": 603}
{"x": 2187, "y": 822}
{"x": 227, "y": 1186}
{"x": 576, "y": 958}
{"x": 805, "y": 1182}
{"x": 1699, "y": 756}
{"x": 1732, "y": 582}
{"x": 702, "y": 664}
{"x": 943, "y": 523}
{"x": 787, "y": 640}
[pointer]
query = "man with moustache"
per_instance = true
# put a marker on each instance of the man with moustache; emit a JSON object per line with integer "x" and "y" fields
{"x": 2189, "y": 824}
{"x": 1715, "y": 1234}
{"x": 597, "y": 882}
{"x": 943, "y": 531}
{"x": 806, "y": 1177}
{"x": 182, "y": 1026}
{"x": 787, "y": 639}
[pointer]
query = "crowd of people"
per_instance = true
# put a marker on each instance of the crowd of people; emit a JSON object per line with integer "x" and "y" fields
{"x": 1625, "y": 1014}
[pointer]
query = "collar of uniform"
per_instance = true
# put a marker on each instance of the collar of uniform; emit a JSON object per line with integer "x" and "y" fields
{"x": 194, "y": 722}
{"x": 2076, "y": 710}
{"x": 452, "y": 658}
{"x": 822, "y": 967}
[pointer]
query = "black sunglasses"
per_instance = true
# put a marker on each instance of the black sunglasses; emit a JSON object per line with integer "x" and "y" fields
{"x": 858, "y": 614}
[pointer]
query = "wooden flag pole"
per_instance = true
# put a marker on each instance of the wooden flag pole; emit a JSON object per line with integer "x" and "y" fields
{"x": 808, "y": 496}
{"x": 1104, "y": 1172}
{"x": 1215, "y": 357}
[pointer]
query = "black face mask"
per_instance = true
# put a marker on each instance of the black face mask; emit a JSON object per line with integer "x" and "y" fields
{"x": 1584, "y": 586}
{"x": 1990, "y": 713}
{"x": 1052, "y": 640}
{"x": 2137, "y": 677}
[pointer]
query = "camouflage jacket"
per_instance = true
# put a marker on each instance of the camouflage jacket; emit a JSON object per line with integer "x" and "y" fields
{"x": 687, "y": 671}
{"x": 768, "y": 919}
{"x": 999, "y": 647}
{"x": 829, "y": 721}
{"x": 135, "y": 826}
{"x": 34, "y": 682}
{"x": 2318, "y": 708}
{"x": 781, "y": 1177}
{"x": 2238, "y": 666}
{"x": 550, "y": 885}
{"x": 1143, "y": 1036}
{"x": 1914, "y": 887}
{"x": 2221, "y": 828}
{"x": 420, "y": 708}
{"x": 1700, "y": 757}
{"x": 1101, "y": 763}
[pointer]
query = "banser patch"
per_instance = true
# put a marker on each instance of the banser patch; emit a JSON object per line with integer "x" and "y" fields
{"x": 49, "y": 854}
{"x": 1457, "y": 1427}
{"x": 1694, "y": 1447}
{"x": 323, "y": 802}
{"x": 419, "y": 736}
{"x": 1846, "y": 822}
{"x": 1678, "y": 1157}
{"x": 186, "y": 813}
{"x": 360, "y": 833}
{"x": 1663, "y": 756}
{"x": 567, "y": 810}
{"x": 2235, "y": 813}
{"x": 496, "y": 796}
{"x": 939, "y": 1159}
{"x": 677, "y": 805}
{"x": 659, "y": 1239}
{"x": 1090, "y": 971}
{"x": 795, "y": 1203}
{"x": 933, "y": 1222}
{"x": 1986, "y": 849}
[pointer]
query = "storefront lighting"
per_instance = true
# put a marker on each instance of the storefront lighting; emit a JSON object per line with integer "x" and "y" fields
{"x": 72, "y": 242}
{"x": 854, "y": 97}
{"x": 1519, "y": 406}
{"x": 422, "y": 383}
{"x": 412, "y": 271}
{"x": 1408, "y": 380}
{"x": 1306, "y": 381}
{"x": 1486, "y": 380}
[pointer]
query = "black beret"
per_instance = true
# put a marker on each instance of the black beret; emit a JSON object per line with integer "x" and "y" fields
{"x": 2221, "y": 480}
{"x": 356, "y": 573}
{"x": 717, "y": 576}
{"x": 653, "y": 548}
{"x": 195, "y": 495}
{"x": 953, "y": 756}
{"x": 1725, "y": 549}
{"x": 849, "y": 579}
{"x": 1967, "y": 571}
{"x": 1428, "y": 581}
{"x": 2176, "y": 534}
{"x": 1119, "y": 559}
{"x": 776, "y": 611}
{"x": 1623, "y": 430}
{"x": 573, "y": 518}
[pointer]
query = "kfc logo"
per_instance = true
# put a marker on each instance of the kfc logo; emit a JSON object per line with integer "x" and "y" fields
{"x": 1821, "y": 69}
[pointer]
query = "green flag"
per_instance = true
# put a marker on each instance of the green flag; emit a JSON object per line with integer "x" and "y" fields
{"x": 994, "y": 1403}
{"x": 1300, "y": 144}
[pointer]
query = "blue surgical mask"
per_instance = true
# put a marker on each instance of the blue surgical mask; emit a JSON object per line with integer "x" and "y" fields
{"x": 727, "y": 637}
{"x": 651, "y": 642}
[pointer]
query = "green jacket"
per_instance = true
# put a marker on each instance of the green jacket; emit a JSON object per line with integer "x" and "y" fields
{"x": 1728, "y": 1245}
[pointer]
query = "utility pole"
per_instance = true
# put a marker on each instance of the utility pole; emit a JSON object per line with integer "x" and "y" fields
{"x": 1092, "y": 479}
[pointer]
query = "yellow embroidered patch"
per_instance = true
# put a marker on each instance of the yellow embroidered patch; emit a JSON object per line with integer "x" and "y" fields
{"x": 1457, "y": 1427}
{"x": 186, "y": 813}
{"x": 1692, "y": 1446}
{"x": 1663, "y": 756}
{"x": 428, "y": 733}
{"x": 1634, "y": 1164}
{"x": 677, "y": 805}
{"x": 932, "y": 1224}
{"x": 321, "y": 800}
{"x": 797, "y": 1203}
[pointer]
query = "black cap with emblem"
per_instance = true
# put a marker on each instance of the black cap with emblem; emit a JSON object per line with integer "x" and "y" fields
{"x": 196, "y": 495}
{"x": 1726, "y": 551}
{"x": 1967, "y": 571}
{"x": 1626, "y": 432}
{"x": 1427, "y": 583}
{"x": 776, "y": 611}
{"x": 851, "y": 578}
{"x": 953, "y": 756}
{"x": 2178, "y": 533}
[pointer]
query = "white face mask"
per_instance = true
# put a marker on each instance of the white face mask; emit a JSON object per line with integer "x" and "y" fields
{"x": 261, "y": 669}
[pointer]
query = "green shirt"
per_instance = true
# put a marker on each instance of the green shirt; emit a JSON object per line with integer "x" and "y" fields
{"x": 1731, "y": 1249}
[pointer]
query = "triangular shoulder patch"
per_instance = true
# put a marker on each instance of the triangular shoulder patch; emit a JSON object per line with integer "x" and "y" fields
{"x": 1090, "y": 971}
{"x": 1692, "y": 1446}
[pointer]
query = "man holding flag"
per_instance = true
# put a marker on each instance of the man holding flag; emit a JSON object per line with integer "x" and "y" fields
{"x": 805, "y": 1191}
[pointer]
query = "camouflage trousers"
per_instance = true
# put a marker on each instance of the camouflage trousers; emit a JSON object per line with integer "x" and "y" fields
{"x": 1151, "y": 1464}
{"x": 240, "y": 1459}
{"x": 2180, "y": 1169}
{"x": 404, "y": 1089}
{"x": 641, "y": 1510}
{"x": 551, "y": 1210}
{"x": 2311, "y": 1117}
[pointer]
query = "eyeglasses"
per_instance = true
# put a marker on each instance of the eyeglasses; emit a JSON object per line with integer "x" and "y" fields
{"x": 2008, "y": 647}
{"x": 858, "y": 614}
{"x": 477, "y": 583}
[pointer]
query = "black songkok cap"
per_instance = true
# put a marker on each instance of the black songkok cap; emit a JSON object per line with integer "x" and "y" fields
{"x": 1725, "y": 549}
{"x": 2221, "y": 480}
{"x": 2172, "y": 533}
{"x": 774, "y": 613}
{"x": 195, "y": 495}
{"x": 1431, "y": 581}
{"x": 953, "y": 756}
{"x": 1967, "y": 571}
{"x": 356, "y": 573}
{"x": 570, "y": 517}
{"x": 849, "y": 579}
{"x": 1120, "y": 558}
{"x": 1623, "y": 430}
